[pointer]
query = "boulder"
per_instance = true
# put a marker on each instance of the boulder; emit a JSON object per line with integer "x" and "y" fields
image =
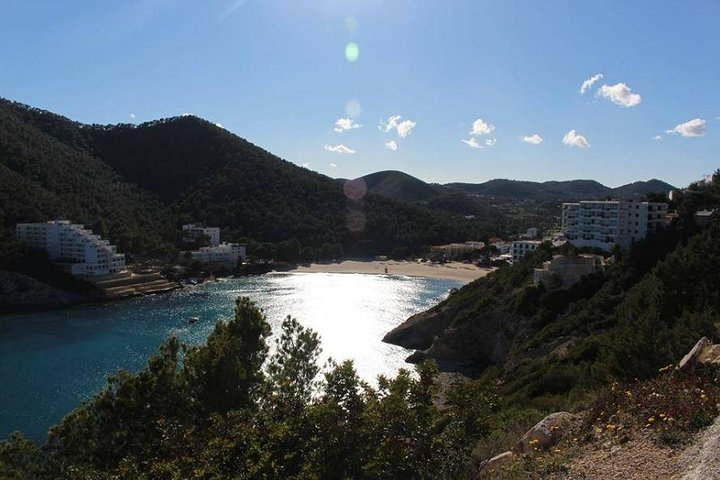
{"x": 704, "y": 351}
{"x": 489, "y": 467}
{"x": 545, "y": 433}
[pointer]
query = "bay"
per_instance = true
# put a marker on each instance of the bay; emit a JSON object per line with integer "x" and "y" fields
{"x": 50, "y": 362}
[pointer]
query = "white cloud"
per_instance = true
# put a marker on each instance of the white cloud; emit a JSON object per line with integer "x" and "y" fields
{"x": 481, "y": 128}
{"x": 692, "y": 128}
{"x": 343, "y": 124}
{"x": 657, "y": 137}
{"x": 391, "y": 145}
{"x": 587, "y": 84}
{"x": 339, "y": 149}
{"x": 472, "y": 143}
{"x": 220, "y": 125}
{"x": 333, "y": 165}
{"x": 403, "y": 128}
{"x": 620, "y": 94}
{"x": 306, "y": 165}
{"x": 574, "y": 139}
{"x": 490, "y": 142}
{"x": 535, "y": 139}
{"x": 132, "y": 115}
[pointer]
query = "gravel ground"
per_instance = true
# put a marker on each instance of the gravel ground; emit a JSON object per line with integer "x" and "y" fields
{"x": 638, "y": 459}
{"x": 643, "y": 459}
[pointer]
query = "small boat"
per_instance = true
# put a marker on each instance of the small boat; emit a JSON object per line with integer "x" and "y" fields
{"x": 193, "y": 320}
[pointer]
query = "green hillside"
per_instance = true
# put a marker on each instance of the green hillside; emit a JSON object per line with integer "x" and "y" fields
{"x": 401, "y": 186}
{"x": 48, "y": 171}
{"x": 545, "y": 347}
{"x": 639, "y": 189}
{"x": 136, "y": 185}
{"x": 559, "y": 190}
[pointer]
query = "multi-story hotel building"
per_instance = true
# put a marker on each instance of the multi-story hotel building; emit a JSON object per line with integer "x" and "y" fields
{"x": 604, "y": 224}
{"x": 226, "y": 253}
{"x": 520, "y": 248}
{"x": 73, "y": 246}
{"x": 192, "y": 232}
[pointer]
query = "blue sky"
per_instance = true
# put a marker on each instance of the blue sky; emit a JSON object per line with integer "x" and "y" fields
{"x": 276, "y": 72}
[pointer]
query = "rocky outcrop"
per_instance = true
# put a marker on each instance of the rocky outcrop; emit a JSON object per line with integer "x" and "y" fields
{"x": 704, "y": 351}
{"x": 476, "y": 343}
{"x": 545, "y": 433}
{"x": 419, "y": 331}
{"x": 467, "y": 347}
{"x": 20, "y": 292}
{"x": 493, "y": 465}
{"x": 701, "y": 461}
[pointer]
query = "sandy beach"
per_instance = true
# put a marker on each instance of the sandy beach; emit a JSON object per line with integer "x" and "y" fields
{"x": 461, "y": 272}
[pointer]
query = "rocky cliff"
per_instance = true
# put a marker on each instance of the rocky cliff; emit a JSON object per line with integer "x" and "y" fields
{"x": 467, "y": 347}
{"x": 20, "y": 292}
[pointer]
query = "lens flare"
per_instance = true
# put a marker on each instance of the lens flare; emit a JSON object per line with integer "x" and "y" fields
{"x": 355, "y": 189}
{"x": 351, "y": 23}
{"x": 356, "y": 221}
{"x": 352, "y": 52}
{"x": 352, "y": 108}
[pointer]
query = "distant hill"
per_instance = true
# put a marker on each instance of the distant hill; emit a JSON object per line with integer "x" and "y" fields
{"x": 559, "y": 190}
{"x": 401, "y": 186}
{"x": 638, "y": 189}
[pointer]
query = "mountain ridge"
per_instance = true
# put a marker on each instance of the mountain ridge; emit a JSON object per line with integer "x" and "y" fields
{"x": 401, "y": 185}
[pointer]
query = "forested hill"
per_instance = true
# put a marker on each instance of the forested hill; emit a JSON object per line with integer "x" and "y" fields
{"x": 560, "y": 190}
{"x": 48, "y": 170}
{"x": 644, "y": 312}
{"x": 136, "y": 184}
{"x": 401, "y": 186}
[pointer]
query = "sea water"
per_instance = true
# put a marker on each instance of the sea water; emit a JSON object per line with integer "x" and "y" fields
{"x": 51, "y": 362}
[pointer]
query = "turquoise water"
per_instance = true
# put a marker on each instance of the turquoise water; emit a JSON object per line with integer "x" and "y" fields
{"x": 50, "y": 362}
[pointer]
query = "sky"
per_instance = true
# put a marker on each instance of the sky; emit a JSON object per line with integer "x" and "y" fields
{"x": 445, "y": 90}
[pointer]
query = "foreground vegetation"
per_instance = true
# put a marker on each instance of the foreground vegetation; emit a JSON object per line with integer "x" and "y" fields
{"x": 231, "y": 409}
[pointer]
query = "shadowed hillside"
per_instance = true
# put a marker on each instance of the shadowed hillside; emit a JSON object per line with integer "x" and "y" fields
{"x": 401, "y": 186}
{"x": 554, "y": 190}
{"x": 136, "y": 184}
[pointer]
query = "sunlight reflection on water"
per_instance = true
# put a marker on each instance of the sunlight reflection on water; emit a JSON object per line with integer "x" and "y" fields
{"x": 52, "y": 361}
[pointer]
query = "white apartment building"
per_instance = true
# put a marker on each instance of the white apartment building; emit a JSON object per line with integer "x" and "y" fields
{"x": 81, "y": 251}
{"x": 604, "y": 224}
{"x": 520, "y": 248}
{"x": 226, "y": 253}
{"x": 193, "y": 231}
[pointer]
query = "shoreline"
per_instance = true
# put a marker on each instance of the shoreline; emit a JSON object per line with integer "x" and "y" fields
{"x": 458, "y": 271}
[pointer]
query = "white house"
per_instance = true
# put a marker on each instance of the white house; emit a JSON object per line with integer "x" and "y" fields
{"x": 520, "y": 248}
{"x": 564, "y": 271}
{"x": 192, "y": 232}
{"x": 225, "y": 253}
{"x": 604, "y": 224}
{"x": 81, "y": 251}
